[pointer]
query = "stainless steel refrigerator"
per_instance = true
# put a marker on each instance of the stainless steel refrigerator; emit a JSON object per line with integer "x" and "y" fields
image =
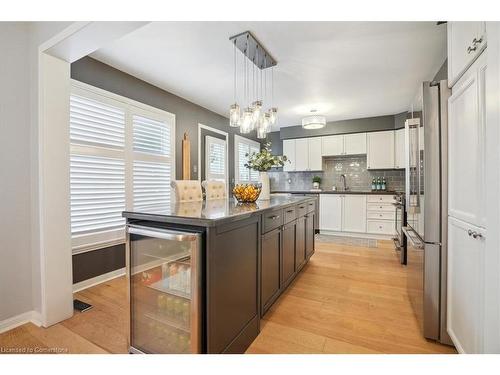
{"x": 426, "y": 204}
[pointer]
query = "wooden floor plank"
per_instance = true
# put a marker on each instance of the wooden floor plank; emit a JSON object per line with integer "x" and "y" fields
{"x": 348, "y": 299}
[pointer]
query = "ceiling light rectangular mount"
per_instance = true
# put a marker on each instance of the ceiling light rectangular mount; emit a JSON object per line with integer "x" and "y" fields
{"x": 248, "y": 44}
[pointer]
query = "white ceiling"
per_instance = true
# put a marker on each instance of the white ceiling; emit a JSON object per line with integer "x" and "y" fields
{"x": 344, "y": 70}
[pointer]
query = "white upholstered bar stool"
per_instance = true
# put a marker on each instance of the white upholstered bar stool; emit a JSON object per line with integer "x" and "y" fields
{"x": 214, "y": 189}
{"x": 187, "y": 190}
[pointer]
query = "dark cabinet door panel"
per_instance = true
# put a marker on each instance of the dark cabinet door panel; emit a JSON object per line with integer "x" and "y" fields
{"x": 300, "y": 243}
{"x": 270, "y": 271}
{"x": 288, "y": 252}
{"x": 232, "y": 290}
{"x": 309, "y": 234}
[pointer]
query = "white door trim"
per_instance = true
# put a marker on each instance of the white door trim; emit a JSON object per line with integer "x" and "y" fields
{"x": 226, "y": 135}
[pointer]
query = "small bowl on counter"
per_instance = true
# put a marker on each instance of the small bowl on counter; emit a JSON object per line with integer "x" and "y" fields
{"x": 247, "y": 193}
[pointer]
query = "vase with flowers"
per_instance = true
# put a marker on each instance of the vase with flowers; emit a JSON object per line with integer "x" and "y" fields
{"x": 262, "y": 162}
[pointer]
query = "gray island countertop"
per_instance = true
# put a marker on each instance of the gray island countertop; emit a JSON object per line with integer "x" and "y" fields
{"x": 212, "y": 212}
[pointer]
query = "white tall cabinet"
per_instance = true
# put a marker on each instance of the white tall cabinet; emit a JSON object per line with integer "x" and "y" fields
{"x": 466, "y": 192}
{"x": 466, "y": 41}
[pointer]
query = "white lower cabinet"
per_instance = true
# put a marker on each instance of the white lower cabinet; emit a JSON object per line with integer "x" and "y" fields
{"x": 465, "y": 264}
{"x": 354, "y": 213}
{"x": 330, "y": 212}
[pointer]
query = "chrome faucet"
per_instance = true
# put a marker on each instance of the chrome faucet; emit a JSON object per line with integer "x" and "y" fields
{"x": 342, "y": 177}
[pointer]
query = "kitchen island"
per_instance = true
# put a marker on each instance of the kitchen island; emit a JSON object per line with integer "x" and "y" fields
{"x": 246, "y": 256}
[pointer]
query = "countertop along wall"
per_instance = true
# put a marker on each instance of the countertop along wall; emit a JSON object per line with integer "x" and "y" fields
{"x": 187, "y": 114}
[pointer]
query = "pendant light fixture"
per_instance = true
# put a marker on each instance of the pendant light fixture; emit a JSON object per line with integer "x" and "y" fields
{"x": 234, "y": 110}
{"x": 314, "y": 121}
{"x": 254, "y": 116}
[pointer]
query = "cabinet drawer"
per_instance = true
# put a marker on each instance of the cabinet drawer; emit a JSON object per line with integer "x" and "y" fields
{"x": 289, "y": 214}
{"x": 271, "y": 220}
{"x": 301, "y": 209}
{"x": 381, "y": 215}
{"x": 311, "y": 206}
{"x": 380, "y": 226}
{"x": 381, "y": 207}
{"x": 381, "y": 198}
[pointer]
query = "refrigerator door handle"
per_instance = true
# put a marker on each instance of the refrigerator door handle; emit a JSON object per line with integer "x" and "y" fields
{"x": 413, "y": 237}
{"x": 162, "y": 233}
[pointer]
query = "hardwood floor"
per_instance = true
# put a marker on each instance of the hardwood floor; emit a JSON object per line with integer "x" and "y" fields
{"x": 348, "y": 299}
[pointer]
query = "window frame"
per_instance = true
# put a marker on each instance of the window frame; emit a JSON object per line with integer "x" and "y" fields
{"x": 210, "y": 139}
{"x": 251, "y": 143}
{"x": 92, "y": 241}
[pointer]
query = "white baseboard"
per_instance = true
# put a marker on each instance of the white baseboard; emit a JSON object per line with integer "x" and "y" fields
{"x": 19, "y": 320}
{"x": 98, "y": 280}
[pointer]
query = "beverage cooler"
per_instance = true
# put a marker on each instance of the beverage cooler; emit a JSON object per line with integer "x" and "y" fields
{"x": 164, "y": 276}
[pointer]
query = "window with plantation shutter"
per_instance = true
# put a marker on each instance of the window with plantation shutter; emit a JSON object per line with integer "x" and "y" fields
{"x": 215, "y": 159}
{"x": 97, "y": 193}
{"x": 244, "y": 146}
{"x": 96, "y": 123}
{"x": 122, "y": 158}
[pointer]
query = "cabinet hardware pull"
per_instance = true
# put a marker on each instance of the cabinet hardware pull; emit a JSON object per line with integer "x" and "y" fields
{"x": 289, "y": 211}
{"x": 274, "y": 217}
{"x": 477, "y": 41}
{"x": 469, "y": 232}
{"x": 302, "y": 206}
{"x": 477, "y": 235}
{"x": 471, "y": 49}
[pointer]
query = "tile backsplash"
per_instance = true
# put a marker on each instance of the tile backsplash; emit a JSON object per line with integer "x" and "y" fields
{"x": 354, "y": 167}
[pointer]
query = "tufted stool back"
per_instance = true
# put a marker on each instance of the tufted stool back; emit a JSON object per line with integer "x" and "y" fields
{"x": 187, "y": 190}
{"x": 214, "y": 189}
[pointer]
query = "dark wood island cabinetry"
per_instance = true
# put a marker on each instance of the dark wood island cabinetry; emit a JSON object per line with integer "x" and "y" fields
{"x": 249, "y": 254}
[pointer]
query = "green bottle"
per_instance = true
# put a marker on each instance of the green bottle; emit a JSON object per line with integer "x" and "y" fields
{"x": 384, "y": 185}
{"x": 374, "y": 184}
{"x": 379, "y": 184}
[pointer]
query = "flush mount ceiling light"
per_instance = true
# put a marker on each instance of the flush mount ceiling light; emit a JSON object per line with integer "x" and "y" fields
{"x": 254, "y": 92}
{"x": 314, "y": 121}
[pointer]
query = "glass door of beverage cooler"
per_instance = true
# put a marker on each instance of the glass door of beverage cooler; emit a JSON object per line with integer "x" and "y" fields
{"x": 163, "y": 267}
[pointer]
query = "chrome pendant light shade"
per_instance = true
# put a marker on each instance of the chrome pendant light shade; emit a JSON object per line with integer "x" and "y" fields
{"x": 254, "y": 88}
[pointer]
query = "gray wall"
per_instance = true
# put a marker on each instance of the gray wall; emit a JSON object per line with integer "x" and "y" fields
{"x": 368, "y": 124}
{"x": 187, "y": 115}
{"x": 442, "y": 72}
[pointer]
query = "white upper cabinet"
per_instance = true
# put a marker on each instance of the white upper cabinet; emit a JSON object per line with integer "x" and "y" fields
{"x": 302, "y": 154}
{"x": 466, "y": 159}
{"x": 332, "y": 145}
{"x": 399, "y": 149}
{"x": 466, "y": 41}
{"x": 289, "y": 151}
{"x": 355, "y": 144}
{"x": 380, "y": 150}
{"x": 350, "y": 144}
{"x": 314, "y": 153}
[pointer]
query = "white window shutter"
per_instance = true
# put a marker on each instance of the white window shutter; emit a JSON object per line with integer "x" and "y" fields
{"x": 96, "y": 123}
{"x": 151, "y": 185}
{"x": 151, "y": 136}
{"x": 97, "y": 187}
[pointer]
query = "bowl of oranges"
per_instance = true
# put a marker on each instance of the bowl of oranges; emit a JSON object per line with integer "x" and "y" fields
{"x": 246, "y": 193}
